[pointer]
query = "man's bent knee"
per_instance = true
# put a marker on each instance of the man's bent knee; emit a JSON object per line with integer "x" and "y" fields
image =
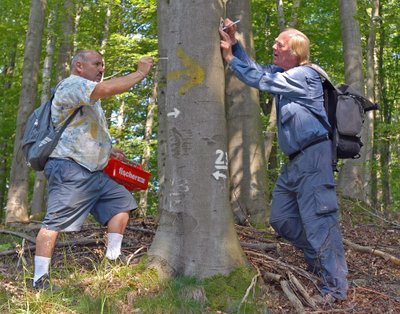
{"x": 289, "y": 228}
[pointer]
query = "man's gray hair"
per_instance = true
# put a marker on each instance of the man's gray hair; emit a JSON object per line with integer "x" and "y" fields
{"x": 81, "y": 55}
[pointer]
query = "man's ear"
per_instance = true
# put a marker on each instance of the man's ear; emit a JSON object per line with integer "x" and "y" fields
{"x": 79, "y": 67}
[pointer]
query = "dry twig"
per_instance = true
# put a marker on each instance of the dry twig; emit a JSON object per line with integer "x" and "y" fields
{"x": 303, "y": 292}
{"x": 370, "y": 250}
{"x": 252, "y": 286}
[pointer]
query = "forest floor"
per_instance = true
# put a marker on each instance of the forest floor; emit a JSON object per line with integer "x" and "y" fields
{"x": 372, "y": 249}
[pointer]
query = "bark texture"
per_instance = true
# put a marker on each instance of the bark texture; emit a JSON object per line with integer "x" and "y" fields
{"x": 196, "y": 235}
{"x": 354, "y": 174}
{"x": 246, "y": 150}
{"x": 17, "y": 203}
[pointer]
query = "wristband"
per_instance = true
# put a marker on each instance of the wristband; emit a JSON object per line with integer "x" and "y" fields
{"x": 141, "y": 73}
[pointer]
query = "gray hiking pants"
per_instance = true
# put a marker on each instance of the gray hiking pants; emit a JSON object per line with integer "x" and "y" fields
{"x": 305, "y": 212}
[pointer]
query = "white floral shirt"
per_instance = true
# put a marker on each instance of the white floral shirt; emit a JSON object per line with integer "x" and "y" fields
{"x": 86, "y": 139}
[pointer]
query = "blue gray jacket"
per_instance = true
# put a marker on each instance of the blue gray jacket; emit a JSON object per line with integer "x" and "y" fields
{"x": 299, "y": 98}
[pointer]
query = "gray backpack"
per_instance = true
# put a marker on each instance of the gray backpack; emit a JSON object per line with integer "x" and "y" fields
{"x": 40, "y": 137}
{"x": 345, "y": 108}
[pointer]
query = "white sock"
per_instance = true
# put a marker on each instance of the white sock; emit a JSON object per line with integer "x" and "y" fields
{"x": 41, "y": 267}
{"x": 114, "y": 245}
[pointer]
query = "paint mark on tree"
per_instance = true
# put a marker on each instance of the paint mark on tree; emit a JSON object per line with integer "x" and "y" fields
{"x": 193, "y": 72}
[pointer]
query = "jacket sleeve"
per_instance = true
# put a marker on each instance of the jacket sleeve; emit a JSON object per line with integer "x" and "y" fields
{"x": 269, "y": 78}
{"x": 250, "y": 72}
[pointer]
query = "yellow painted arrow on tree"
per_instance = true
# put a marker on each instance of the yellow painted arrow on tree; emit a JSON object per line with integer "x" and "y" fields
{"x": 193, "y": 71}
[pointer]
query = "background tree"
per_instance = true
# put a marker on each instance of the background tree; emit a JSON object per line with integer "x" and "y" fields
{"x": 163, "y": 14}
{"x": 387, "y": 134}
{"x": 17, "y": 201}
{"x": 39, "y": 188}
{"x": 196, "y": 235}
{"x": 67, "y": 44}
{"x": 247, "y": 167}
{"x": 370, "y": 93}
{"x": 354, "y": 175}
{"x": 6, "y": 122}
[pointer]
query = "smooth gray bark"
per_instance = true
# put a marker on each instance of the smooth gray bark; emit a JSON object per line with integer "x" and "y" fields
{"x": 354, "y": 174}
{"x": 17, "y": 202}
{"x": 196, "y": 234}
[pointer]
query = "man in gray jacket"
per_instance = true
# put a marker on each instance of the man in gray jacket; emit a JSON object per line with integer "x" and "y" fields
{"x": 304, "y": 207}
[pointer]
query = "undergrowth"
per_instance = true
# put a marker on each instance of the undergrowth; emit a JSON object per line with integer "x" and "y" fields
{"x": 112, "y": 288}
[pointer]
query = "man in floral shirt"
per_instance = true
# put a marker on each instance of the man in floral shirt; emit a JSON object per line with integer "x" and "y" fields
{"x": 77, "y": 184}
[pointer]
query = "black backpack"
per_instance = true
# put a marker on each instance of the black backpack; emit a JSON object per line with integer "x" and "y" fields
{"x": 40, "y": 137}
{"x": 345, "y": 108}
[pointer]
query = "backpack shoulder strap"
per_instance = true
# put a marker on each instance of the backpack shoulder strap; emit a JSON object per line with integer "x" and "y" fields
{"x": 69, "y": 119}
{"x": 330, "y": 92}
{"x": 326, "y": 83}
{"x": 325, "y": 79}
{"x": 320, "y": 70}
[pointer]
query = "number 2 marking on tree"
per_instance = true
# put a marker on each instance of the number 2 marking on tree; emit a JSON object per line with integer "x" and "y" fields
{"x": 221, "y": 163}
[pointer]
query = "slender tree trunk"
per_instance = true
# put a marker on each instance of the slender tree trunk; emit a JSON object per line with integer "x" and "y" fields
{"x": 354, "y": 174}
{"x": 270, "y": 133}
{"x": 295, "y": 13}
{"x": 66, "y": 47}
{"x": 163, "y": 15}
{"x": 106, "y": 29}
{"x": 384, "y": 147}
{"x": 371, "y": 95}
{"x": 3, "y": 179}
{"x": 196, "y": 234}
{"x": 247, "y": 166}
{"x": 148, "y": 131}
{"x": 38, "y": 203}
{"x": 77, "y": 20}
{"x": 121, "y": 116}
{"x": 281, "y": 14}
{"x": 17, "y": 202}
{"x": 7, "y": 72}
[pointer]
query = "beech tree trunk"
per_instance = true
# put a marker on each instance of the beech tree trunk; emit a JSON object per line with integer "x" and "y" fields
{"x": 385, "y": 144}
{"x": 38, "y": 203}
{"x": 8, "y": 72}
{"x": 354, "y": 175}
{"x": 371, "y": 55}
{"x": 148, "y": 130}
{"x": 281, "y": 14}
{"x": 163, "y": 13}
{"x": 196, "y": 234}
{"x": 66, "y": 47}
{"x": 17, "y": 202}
{"x": 246, "y": 151}
{"x": 106, "y": 31}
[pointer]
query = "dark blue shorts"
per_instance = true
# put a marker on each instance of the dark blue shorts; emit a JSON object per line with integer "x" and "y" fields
{"x": 74, "y": 192}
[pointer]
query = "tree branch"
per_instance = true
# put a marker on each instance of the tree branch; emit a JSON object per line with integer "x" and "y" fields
{"x": 84, "y": 241}
{"x": 370, "y": 250}
{"x": 18, "y": 234}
